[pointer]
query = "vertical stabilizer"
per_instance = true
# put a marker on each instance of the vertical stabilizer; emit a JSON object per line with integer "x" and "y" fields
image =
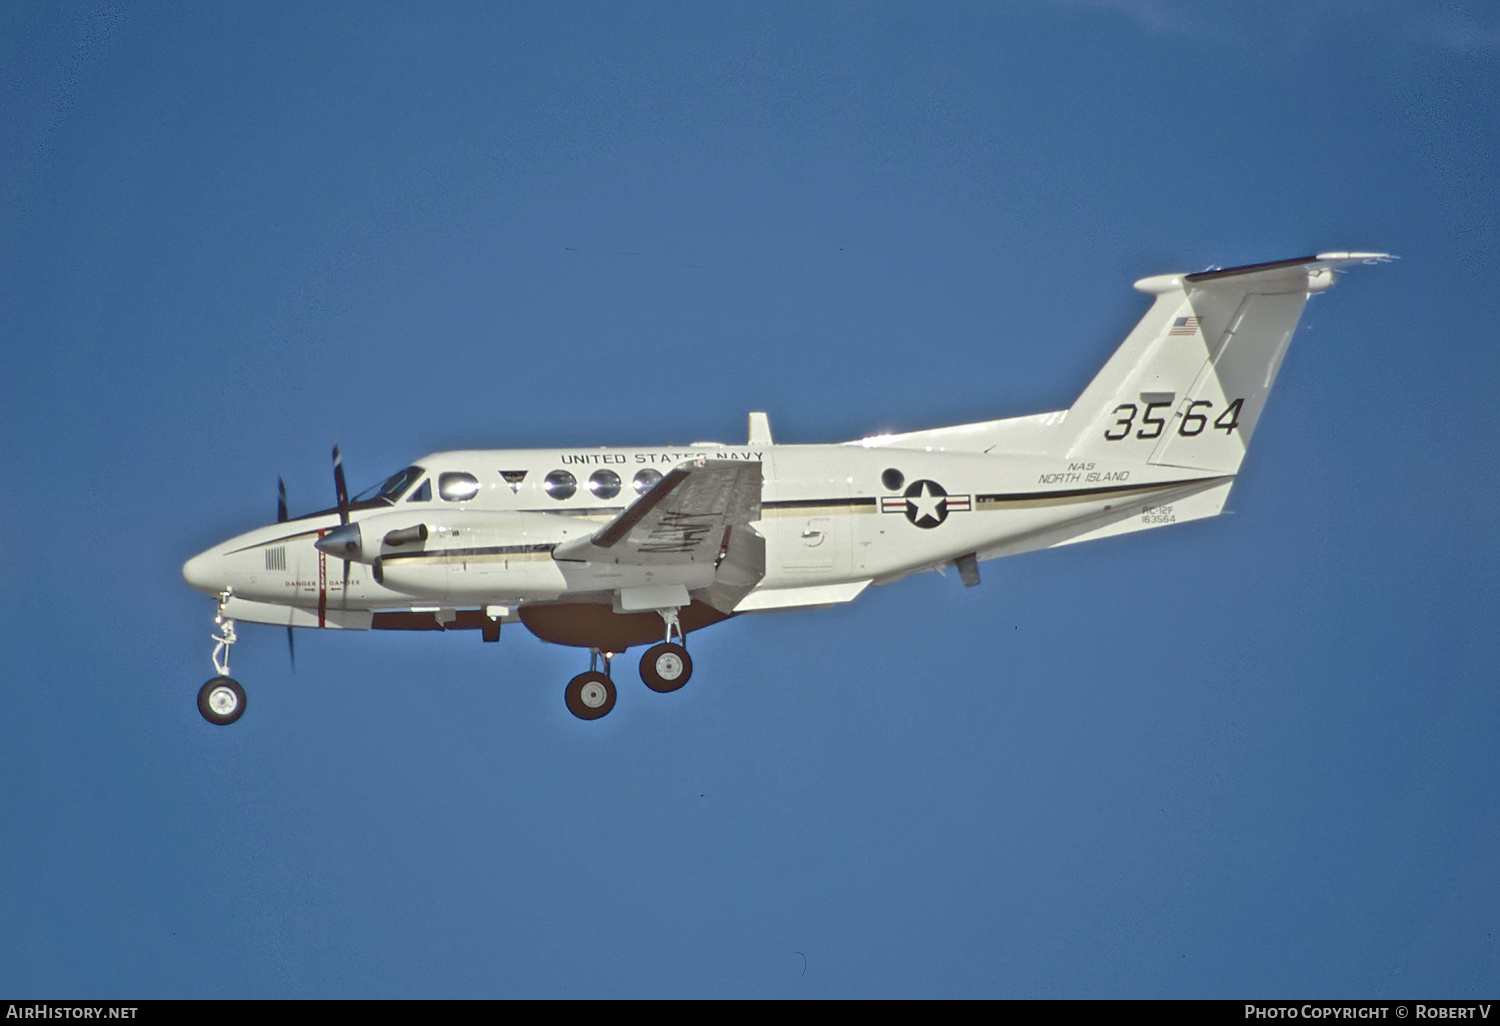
{"x": 1187, "y": 386}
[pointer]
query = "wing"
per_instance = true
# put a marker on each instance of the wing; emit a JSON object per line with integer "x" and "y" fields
{"x": 687, "y": 518}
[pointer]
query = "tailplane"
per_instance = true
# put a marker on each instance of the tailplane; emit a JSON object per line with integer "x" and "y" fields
{"x": 1186, "y": 387}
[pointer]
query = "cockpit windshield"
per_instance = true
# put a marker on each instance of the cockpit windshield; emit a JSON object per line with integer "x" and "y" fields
{"x": 388, "y": 491}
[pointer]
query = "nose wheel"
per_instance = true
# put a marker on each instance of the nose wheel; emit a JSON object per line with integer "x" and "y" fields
{"x": 222, "y": 700}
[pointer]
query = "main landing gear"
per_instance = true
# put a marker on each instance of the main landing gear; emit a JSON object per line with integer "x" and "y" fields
{"x": 591, "y": 695}
{"x": 222, "y": 700}
{"x": 665, "y": 667}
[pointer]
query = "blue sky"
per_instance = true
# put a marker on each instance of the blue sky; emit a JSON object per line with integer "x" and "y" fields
{"x": 1252, "y": 756}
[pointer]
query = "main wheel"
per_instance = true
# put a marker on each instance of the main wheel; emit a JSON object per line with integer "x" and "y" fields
{"x": 590, "y": 695}
{"x": 221, "y": 701}
{"x": 666, "y": 667}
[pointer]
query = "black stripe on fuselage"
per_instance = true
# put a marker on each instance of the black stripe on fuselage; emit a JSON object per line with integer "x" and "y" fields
{"x": 810, "y": 503}
{"x": 1096, "y": 493}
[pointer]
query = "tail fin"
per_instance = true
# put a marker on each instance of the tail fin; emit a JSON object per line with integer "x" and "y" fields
{"x": 1187, "y": 386}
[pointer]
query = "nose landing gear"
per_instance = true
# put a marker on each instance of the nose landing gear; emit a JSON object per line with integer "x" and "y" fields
{"x": 222, "y": 700}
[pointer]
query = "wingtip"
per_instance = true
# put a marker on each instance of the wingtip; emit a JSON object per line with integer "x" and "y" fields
{"x": 1358, "y": 258}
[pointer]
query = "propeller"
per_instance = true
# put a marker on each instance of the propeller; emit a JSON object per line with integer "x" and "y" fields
{"x": 341, "y": 490}
{"x": 291, "y": 640}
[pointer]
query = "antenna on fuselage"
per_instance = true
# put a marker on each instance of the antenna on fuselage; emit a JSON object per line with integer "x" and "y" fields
{"x": 760, "y": 429}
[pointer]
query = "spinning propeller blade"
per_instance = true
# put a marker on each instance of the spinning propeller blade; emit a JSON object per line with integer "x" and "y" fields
{"x": 291, "y": 643}
{"x": 342, "y": 491}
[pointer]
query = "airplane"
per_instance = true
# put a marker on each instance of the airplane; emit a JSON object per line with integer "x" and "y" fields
{"x": 613, "y": 548}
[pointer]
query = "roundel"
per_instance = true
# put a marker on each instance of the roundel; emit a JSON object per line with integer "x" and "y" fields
{"x": 926, "y": 503}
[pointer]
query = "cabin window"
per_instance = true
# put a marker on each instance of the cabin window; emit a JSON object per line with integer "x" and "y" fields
{"x": 645, "y": 480}
{"x": 893, "y": 479}
{"x": 457, "y": 486}
{"x": 605, "y": 484}
{"x": 560, "y": 485}
{"x": 423, "y": 494}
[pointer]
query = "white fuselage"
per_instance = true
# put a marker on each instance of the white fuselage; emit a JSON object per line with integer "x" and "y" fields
{"x": 834, "y": 518}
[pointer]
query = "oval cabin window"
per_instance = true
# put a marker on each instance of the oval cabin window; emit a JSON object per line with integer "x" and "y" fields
{"x": 605, "y": 484}
{"x": 457, "y": 486}
{"x": 644, "y": 481}
{"x": 560, "y": 485}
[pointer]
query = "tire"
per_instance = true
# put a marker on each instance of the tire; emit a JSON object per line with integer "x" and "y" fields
{"x": 221, "y": 701}
{"x": 666, "y": 667}
{"x": 590, "y": 695}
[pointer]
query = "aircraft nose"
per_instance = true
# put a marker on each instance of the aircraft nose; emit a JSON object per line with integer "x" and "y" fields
{"x": 205, "y": 572}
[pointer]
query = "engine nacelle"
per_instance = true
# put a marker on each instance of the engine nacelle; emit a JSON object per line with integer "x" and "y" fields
{"x": 474, "y": 555}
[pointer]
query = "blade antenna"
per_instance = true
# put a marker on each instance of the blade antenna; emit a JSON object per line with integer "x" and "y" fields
{"x": 291, "y": 646}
